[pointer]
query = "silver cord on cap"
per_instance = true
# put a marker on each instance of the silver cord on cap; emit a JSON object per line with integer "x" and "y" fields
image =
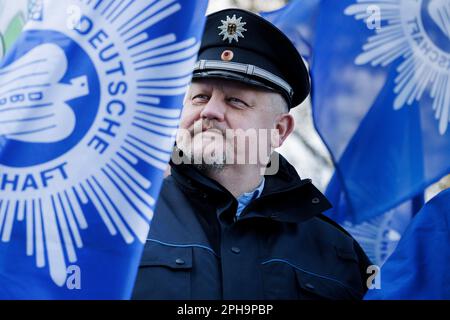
{"x": 245, "y": 69}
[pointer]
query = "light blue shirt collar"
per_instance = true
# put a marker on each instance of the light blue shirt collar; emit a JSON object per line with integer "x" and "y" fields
{"x": 245, "y": 199}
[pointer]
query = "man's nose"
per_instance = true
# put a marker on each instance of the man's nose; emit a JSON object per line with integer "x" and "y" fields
{"x": 214, "y": 110}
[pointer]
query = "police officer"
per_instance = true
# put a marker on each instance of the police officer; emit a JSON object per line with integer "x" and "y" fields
{"x": 248, "y": 230}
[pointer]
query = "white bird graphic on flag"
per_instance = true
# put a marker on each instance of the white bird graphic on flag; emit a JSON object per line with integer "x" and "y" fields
{"x": 33, "y": 102}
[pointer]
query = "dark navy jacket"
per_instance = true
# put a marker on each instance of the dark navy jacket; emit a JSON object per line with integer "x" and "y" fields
{"x": 281, "y": 247}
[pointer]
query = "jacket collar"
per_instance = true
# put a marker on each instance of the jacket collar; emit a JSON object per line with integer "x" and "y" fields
{"x": 282, "y": 192}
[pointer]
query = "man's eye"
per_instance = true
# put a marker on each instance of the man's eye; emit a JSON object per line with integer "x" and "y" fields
{"x": 200, "y": 98}
{"x": 238, "y": 102}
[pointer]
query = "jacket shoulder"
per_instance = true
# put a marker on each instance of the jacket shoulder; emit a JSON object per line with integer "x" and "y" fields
{"x": 333, "y": 224}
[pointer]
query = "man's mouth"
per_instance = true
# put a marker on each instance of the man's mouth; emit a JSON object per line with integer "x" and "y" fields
{"x": 203, "y": 126}
{"x": 206, "y": 130}
{"x": 213, "y": 131}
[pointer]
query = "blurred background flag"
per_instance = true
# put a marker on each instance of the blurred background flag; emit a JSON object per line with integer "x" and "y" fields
{"x": 90, "y": 98}
{"x": 297, "y": 19}
{"x": 381, "y": 101}
{"x": 418, "y": 268}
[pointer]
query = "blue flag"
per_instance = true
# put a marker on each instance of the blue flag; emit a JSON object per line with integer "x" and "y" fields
{"x": 418, "y": 268}
{"x": 90, "y": 98}
{"x": 297, "y": 20}
{"x": 380, "y": 102}
{"x": 381, "y": 97}
{"x": 380, "y": 236}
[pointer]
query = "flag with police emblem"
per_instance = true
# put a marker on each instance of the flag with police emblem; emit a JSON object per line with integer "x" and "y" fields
{"x": 381, "y": 102}
{"x": 382, "y": 99}
{"x": 90, "y": 98}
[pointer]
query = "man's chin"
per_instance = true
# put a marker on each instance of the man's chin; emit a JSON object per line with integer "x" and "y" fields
{"x": 208, "y": 159}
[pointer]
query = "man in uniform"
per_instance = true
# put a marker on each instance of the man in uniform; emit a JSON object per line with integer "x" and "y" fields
{"x": 226, "y": 230}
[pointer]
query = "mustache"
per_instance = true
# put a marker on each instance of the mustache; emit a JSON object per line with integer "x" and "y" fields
{"x": 205, "y": 125}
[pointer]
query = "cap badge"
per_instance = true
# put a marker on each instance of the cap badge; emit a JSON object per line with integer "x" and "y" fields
{"x": 227, "y": 55}
{"x": 232, "y": 28}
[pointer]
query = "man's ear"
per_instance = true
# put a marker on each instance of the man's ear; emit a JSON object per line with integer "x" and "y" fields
{"x": 284, "y": 125}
